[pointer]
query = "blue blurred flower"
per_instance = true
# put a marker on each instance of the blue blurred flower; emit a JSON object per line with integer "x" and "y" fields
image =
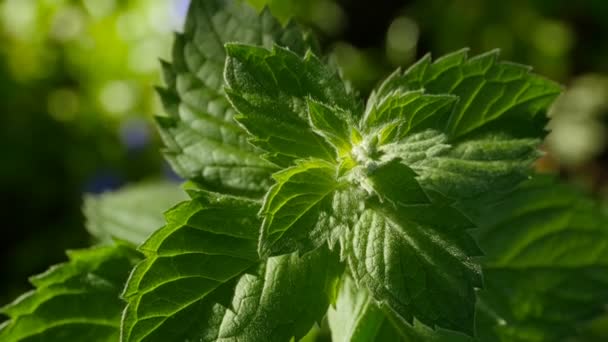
{"x": 135, "y": 134}
{"x": 103, "y": 180}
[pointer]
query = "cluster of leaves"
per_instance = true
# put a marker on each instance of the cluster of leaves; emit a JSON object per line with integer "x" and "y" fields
{"x": 306, "y": 203}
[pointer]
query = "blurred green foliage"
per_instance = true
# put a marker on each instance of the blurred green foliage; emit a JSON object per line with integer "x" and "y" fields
{"x": 76, "y": 81}
{"x": 77, "y": 77}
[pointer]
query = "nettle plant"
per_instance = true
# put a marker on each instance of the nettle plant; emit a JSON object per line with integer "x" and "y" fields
{"x": 413, "y": 216}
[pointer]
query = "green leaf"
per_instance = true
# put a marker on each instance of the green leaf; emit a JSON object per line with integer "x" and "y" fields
{"x": 270, "y": 88}
{"x": 402, "y": 162}
{"x": 282, "y": 299}
{"x": 546, "y": 269}
{"x": 418, "y": 263}
{"x": 131, "y": 213}
{"x": 330, "y": 123}
{"x": 293, "y": 206}
{"x": 402, "y": 111}
{"x": 203, "y": 143}
{"x": 411, "y": 258}
{"x": 357, "y": 317}
{"x": 396, "y": 183}
{"x": 487, "y": 89}
{"x": 483, "y": 142}
{"x": 201, "y": 280}
{"x": 191, "y": 265}
{"x": 488, "y": 162}
{"x": 75, "y": 301}
{"x": 228, "y": 169}
{"x": 419, "y": 332}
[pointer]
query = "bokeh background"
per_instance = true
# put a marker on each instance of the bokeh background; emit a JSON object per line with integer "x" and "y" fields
{"x": 77, "y": 98}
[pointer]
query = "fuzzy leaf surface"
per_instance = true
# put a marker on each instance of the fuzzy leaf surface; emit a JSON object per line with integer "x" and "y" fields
{"x": 488, "y": 162}
{"x": 401, "y": 157}
{"x": 74, "y": 301}
{"x": 483, "y": 140}
{"x": 270, "y": 89}
{"x": 487, "y": 89}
